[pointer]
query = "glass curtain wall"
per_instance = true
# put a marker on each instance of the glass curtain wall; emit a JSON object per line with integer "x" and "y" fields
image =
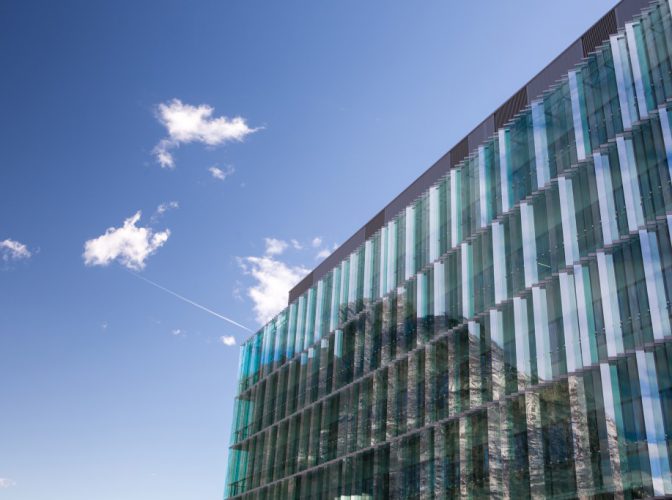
{"x": 508, "y": 333}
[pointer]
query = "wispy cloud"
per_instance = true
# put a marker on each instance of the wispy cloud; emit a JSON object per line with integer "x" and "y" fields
{"x": 185, "y": 124}
{"x": 6, "y": 483}
{"x": 229, "y": 340}
{"x": 317, "y": 241}
{"x": 323, "y": 254}
{"x": 129, "y": 244}
{"x": 275, "y": 246}
{"x": 11, "y": 250}
{"x": 237, "y": 291}
{"x": 219, "y": 174}
{"x": 177, "y": 332}
{"x": 162, "y": 209}
{"x": 273, "y": 279}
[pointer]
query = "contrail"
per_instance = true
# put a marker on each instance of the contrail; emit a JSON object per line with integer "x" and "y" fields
{"x": 189, "y": 301}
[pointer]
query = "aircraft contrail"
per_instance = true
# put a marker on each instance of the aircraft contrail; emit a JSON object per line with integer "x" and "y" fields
{"x": 190, "y": 301}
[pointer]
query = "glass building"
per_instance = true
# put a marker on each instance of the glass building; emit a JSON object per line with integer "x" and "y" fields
{"x": 502, "y": 328}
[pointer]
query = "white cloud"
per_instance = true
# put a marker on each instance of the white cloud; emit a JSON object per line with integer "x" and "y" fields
{"x": 185, "y": 124}
{"x": 220, "y": 174}
{"x": 274, "y": 246}
{"x": 164, "y": 207}
{"x": 237, "y": 291}
{"x": 323, "y": 254}
{"x": 274, "y": 279}
{"x": 229, "y": 340}
{"x": 13, "y": 250}
{"x": 6, "y": 483}
{"x": 177, "y": 332}
{"x": 130, "y": 245}
{"x": 162, "y": 155}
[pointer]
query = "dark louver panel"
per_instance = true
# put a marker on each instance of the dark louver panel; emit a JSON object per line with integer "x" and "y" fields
{"x": 303, "y": 285}
{"x": 459, "y": 152}
{"x": 509, "y": 109}
{"x": 375, "y": 224}
{"x": 599, "y": 33}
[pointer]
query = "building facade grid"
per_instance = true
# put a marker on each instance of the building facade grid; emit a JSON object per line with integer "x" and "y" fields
{"x": 508, "y": 333}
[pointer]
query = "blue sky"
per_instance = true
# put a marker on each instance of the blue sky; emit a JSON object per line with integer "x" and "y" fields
{"x": 115, "y": 389}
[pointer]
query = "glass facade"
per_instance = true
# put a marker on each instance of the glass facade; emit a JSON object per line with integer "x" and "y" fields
{"x": 508, "y": 333}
